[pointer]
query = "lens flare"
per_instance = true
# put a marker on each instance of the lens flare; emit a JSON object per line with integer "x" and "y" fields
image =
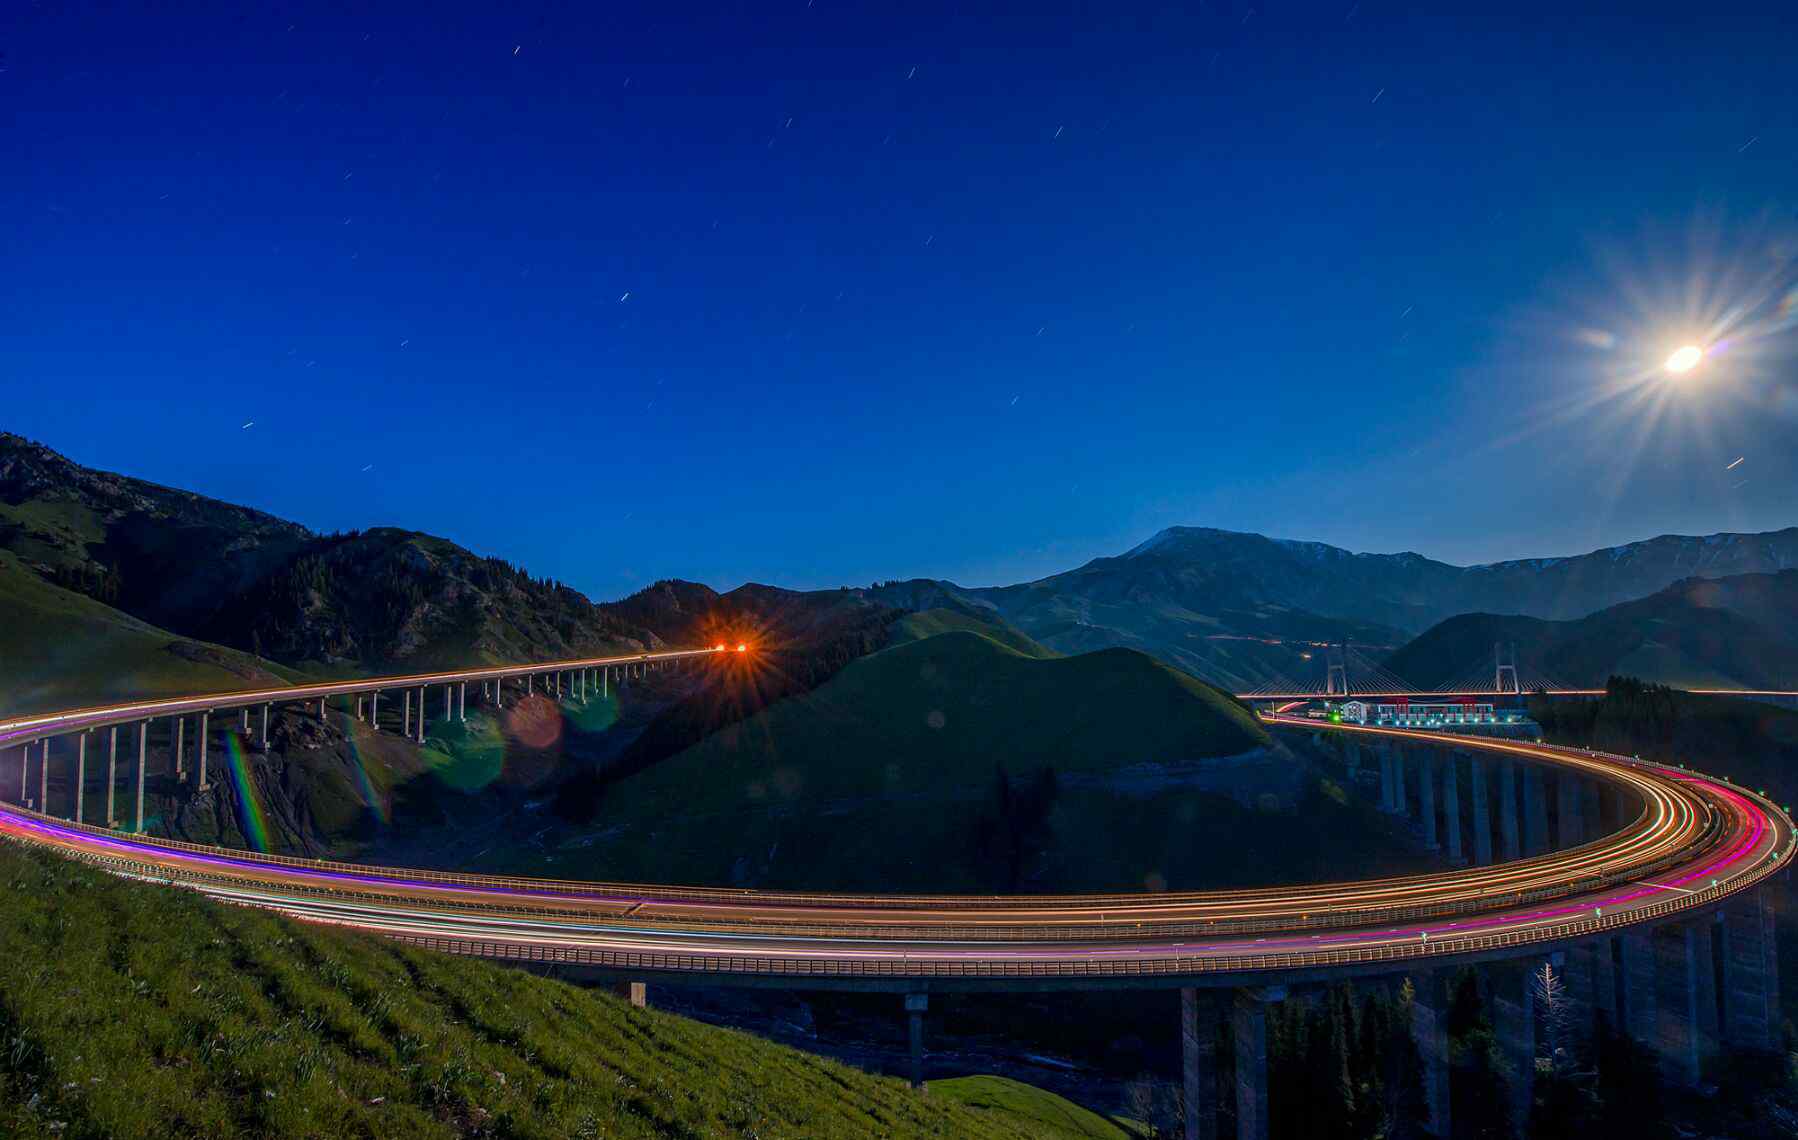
{"x": 255, "y": 827}
{"x": 1685, "y": 358}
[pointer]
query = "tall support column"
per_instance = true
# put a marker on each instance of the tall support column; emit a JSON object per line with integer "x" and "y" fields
{"x": 1569, "y": 830}
{"x": 421, "y": 714}
{"x": 1535, "y": 812}
{"x": 1589, "y": 814}
{"x": 1750, "y": 973}
{"x": 80, "y": 774}
{"x": 265, "y": 712}
{"x": 462, "y": 702}
{"x": 1482, "y": 815}
{"x": 1685, "y": 1000}
{"x": 1248, "y": 1031}
{"x": 24, "y": 773}
{"x": 112, "y": 772}
{"x": 915, "y": 1005}
{"x": 1451, "y": 805}
{"x": 1507, "y": 808}
{"x": 43, "y": 776}
{"x": 374, "y": 709}
{"x": 603, "y": 674}
{"x": 180, "y": 748}
{"x": 143, "y": 748}
{"x": 1581, "y": 978}
{"x": 1636, "y": 1013}
{"x": 1426, "y": 800}
{"x": 321, "y": 709}
{"x": 499, "y": 692}
{"x": 406, "y": 719}
{"x": 449, "y": 701}
{"x": 205, "y": 719}
{"x": 1605, "y": 989}
{"x": 1198, "y": 1055}
{"x": 637, "y": 993}
{"x": 1514, "y": 1023}
{"x": 1401, "y": 801}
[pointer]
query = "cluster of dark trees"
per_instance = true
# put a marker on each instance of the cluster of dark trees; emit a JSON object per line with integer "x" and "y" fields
{"x": 1346, "y": 1066}
{"x": 1012, "y": 824}
{"x": 98, "y": 582}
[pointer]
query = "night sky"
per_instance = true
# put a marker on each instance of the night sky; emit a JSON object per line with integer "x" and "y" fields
{"x": 828, "y": 293}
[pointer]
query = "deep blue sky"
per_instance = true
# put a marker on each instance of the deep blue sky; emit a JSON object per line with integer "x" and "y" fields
{"x": 825, "y": 293}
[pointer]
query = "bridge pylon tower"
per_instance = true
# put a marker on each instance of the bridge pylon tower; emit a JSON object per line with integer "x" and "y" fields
{"x": 1504, "y": 668}
{"x": 1336, "y": 670}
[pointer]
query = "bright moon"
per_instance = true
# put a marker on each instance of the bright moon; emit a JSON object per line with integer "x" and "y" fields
{"x": 1685, "y": 358}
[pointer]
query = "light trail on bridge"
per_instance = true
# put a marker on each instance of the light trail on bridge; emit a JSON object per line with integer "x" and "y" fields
{"x": 1695, "y": 841}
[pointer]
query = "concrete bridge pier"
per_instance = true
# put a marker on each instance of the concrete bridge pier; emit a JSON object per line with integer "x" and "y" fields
{"x": 637, "y": 993}
{"x": 200, "y": 743}
{"x": 1426, "y": 800}
{"x": 143, "y": 748}
{"x": 915, "y": 1005}
{"x": 266, "y": 708}
{"x": 1482, "y": 814}
{"x": 462, "y": 702}
{"x": 1451, "y": 806}
{"x": 112, "y": 773}
{"x": 1248, "y": 1032}
{"x": 1685, "y": 1000}
{"x": 421, "y": 712}
{"x": 1507, "y": 808}
{"x": 1590, "y": 810}
{"x": 1401, "y": 796}
{"x": 406, "y": 717}
{"x": 1750, "y": 997}
{"x": 1636, "y": 991}
{"x": 1535, "y": 812}
{"x": 80, "y": 774}
{"x": 1570, "y": 829}
{"x": 1386, "y": 797}
{"x": 1198, "y": 1055}
{"x": 43, "y": 776}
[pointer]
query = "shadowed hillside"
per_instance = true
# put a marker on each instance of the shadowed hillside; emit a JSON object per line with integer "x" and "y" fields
{"x": 1734, "y": 632}
{"x": 957, "y": 763}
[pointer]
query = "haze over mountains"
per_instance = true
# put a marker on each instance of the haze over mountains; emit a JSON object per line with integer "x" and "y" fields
{"x": 1236, "y": 609}
{"x": 1239, "y": 609}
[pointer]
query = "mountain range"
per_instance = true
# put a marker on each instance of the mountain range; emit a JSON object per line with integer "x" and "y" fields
{"x": 1235, "y": 609}
{"x": 1244, "y": 609}
{"x": 1735, "y": 632}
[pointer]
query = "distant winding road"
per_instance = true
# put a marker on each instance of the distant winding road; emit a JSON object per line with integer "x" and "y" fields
{"x": 1697, "y": 840}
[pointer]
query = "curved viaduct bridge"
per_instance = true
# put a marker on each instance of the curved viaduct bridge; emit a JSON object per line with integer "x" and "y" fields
{"x": 1651, "y": 904}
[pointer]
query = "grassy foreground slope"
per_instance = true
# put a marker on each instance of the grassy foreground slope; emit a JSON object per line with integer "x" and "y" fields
{"x": 63, "y": 649}
{"x": 128, "y": 1010}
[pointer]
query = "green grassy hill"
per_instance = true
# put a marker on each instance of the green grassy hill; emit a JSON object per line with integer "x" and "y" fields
{"x": 63, "y": 649}
{"x": 925, "y": 767}
{"x": 929, "y": 623}
{"x": 128, "y": 1010}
